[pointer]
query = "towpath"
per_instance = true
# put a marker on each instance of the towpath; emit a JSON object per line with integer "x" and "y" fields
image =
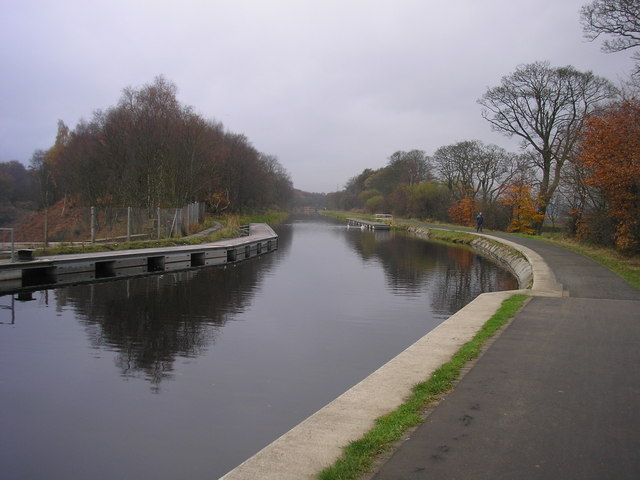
{"x": 556, "y": 396}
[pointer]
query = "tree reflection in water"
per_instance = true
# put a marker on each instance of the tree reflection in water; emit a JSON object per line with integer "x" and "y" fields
{"x": 150, "y": 321}
{"x": 455, "y": 275}
{"x": 276, "y": 338}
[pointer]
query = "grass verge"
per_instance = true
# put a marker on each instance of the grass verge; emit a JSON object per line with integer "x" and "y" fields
{"x": 344, "y": 215}
{"x": 626, "y": 267}
{"x": 358, "y": 456}
{"x": 450, "y": 236}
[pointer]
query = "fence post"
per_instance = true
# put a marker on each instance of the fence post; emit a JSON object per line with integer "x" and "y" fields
{"x": 93, "y": 224}
{"x": 46, "y": 227}
{"x": 128, "y": 224}
{"x": 13, "y": 248}
{"x": 184, "y": 220}
{"x": 173, "y": 224}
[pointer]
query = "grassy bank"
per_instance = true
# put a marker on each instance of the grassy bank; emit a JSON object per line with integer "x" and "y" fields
{"x": 344, "y": 215}
{"x": 271, "y": 217}
{"x": 626, "y": 267}
{"x": 450, "y": 236}
{"x": 229, "y": 228}
{"x": 358, "y": 456}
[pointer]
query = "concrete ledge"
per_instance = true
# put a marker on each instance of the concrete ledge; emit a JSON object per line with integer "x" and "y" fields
{"x": 543, "y": 281}
{"x": 317, "y": 442}
{"x": 511, "y": 259}
{"x": 76, "y": 268}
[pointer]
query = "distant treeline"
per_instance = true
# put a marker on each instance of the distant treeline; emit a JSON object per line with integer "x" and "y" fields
{"x": 579, "y": 165}
{"x": 149, "y": 151}
{"x": 416, "y": 185}
{"x": 578, "y": 169}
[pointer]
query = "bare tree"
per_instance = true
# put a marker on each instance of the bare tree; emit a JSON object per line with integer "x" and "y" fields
{"x": 407, "y": 168}
{"x": 545, "y": 107}
{"x": 619, "y": 20}
{"x": 473, "y": 168}
{"x": 149, "y": 150}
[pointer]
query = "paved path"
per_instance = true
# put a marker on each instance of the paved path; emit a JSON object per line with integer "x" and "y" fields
{"x": 557, "y": 396}
{"x": 215, "y": 228}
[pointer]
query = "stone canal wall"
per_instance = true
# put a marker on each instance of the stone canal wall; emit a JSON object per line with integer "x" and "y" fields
{"x": 510, "y": 258}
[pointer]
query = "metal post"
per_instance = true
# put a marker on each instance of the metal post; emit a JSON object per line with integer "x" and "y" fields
{"x": 158, "y": 223}
{"x": 93, "y": 224}
{"x": 128, "y": 224}
{"x": 46, "y": 227}
{"x": 13, "y": 248}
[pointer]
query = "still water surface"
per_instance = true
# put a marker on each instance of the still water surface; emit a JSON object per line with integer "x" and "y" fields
{"x": 186, "y": 375}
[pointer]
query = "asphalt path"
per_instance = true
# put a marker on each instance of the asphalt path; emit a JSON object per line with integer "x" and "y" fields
{"x": 556, "y": 396}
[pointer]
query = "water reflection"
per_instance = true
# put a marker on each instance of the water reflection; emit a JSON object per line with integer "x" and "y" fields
{"x": 151, "y": 321}
{"x": 454, "y": 275}
{"x": 7, "y": 310}
{"x": 234, "y": 357}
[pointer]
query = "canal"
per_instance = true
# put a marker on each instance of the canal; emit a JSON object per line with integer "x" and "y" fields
{"x": 187, "y": 374}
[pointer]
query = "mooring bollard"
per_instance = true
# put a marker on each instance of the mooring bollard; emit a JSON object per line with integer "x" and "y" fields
{"x": 25, "y": 255}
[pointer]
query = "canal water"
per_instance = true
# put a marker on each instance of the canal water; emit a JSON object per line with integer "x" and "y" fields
{"x": 185, "y": 375}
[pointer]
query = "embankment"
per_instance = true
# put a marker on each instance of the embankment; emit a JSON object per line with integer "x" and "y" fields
{"x": 509, "y": 257}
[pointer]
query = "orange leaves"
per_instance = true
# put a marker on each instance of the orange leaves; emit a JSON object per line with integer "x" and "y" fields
{"x": 525, "y": 208}
{"x": 463, "y": 211}
{"x": 611, "y": 150}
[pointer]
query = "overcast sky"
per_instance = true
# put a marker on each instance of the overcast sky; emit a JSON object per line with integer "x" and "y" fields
{"x": 329, "y": 87}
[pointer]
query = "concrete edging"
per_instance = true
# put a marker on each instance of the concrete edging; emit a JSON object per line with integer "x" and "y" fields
{"x": 76, "y": 268}
{"x": 317, "y": 442}
{"x": 531, "y": 270}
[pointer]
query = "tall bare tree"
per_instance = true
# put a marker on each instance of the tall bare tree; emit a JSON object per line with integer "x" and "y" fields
{"x": 473, "y": 168}
{"x": 545, "y": 106}
{"x": 617, "y": 20}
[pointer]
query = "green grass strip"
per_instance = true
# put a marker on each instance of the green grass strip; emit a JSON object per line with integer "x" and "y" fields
{"x": 626, "y": 267}
{"x": 358, "y": 456}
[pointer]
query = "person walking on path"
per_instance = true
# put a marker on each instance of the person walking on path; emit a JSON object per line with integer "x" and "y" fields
{"x": 479, "y": 222}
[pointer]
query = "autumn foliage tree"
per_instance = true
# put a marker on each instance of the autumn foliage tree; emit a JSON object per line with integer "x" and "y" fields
{"x": 525, "y": 207}
{"x": 463, "y": 211}
{"x": 611, "y": 152}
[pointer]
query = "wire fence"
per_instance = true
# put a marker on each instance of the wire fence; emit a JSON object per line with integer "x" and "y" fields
{"x": 75, "y": 224}
{"x": 127, "y": 224}
{"x": 111, "y": 224}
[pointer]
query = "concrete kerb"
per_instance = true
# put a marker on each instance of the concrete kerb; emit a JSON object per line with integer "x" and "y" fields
{"x": 544, "y": 281}
{"x": 317, "y": 442}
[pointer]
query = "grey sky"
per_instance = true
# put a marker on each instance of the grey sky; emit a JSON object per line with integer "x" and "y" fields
{"x": 329, "y": 87}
